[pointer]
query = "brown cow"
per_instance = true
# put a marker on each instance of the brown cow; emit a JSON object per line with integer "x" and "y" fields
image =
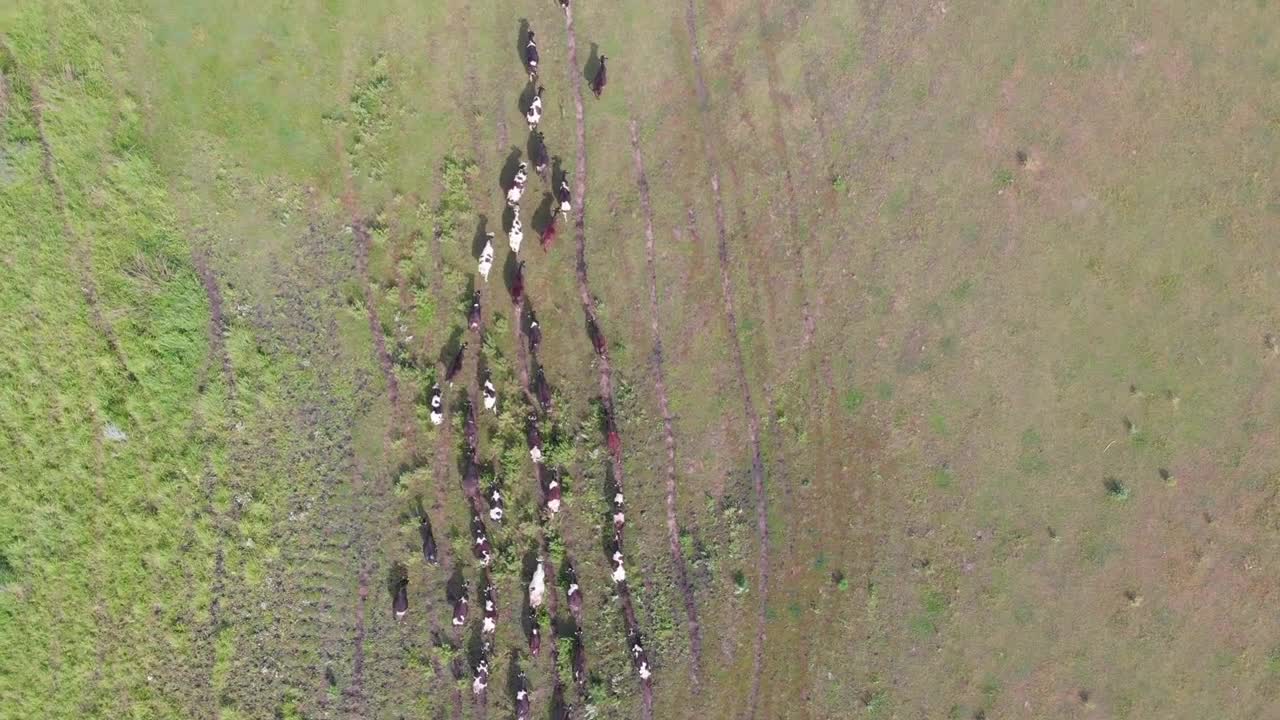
{"x": 535, "y": 640}
{"x": 535, "y": 332}
{"x": 597, "y": 337}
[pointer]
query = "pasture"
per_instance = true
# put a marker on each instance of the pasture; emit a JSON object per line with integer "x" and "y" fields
{"x": 940, "y": 339}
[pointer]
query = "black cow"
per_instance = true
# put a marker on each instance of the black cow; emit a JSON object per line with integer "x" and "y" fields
{"x": 598, "y": 82}
{"x": 538, "y": 151}
{"x": 579, "y": 659}
{"x": 470, "y": 477}
{"x": 517, "y": 284}
{"x": 455, "y": 366}
{"x": 400, "y": 606}
{"x": 473, "y": 317}
{"x": 531, "y": 57}
{"x": 469, "y": 429}
{"x": 541, "y": 389}
{"x": 428, "y": 540}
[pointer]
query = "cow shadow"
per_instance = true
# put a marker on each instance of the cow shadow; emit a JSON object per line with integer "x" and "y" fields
{"x": 557, "y": 172}
{"x": 509, "y": 267}
{"x": 513, "y": 673}
{"x": 476, "y": 646}
{"x": 526, "y": 95}
{"x": 543, "y": 213}
{"x": 451, "y": 345}
{"x": 396, "y": 574}
{"x": 593, "y": 64}
{"x": 454, "y": 586}
{"x": 559, "y": 711}
{"x": 508, "y": 219}
{"x": 507, "y": 177}
{"x": 477, "y": 242}
{"x": 522, "y": 39}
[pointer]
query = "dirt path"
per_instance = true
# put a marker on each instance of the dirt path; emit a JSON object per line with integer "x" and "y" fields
{"x": 731, "y": 326}
{"x": 660, "y": 386}
{"x": 217, "y": 321}
{"x": 81, "y": 249}
{"x": 589, "y": 310}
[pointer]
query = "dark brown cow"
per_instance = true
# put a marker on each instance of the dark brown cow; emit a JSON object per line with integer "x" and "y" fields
{"x": 517, "y": 284}
{"x": 599, "y": 81}
{"x": 469, "y": 429}
{"x": 473, "y": 317}
{"x": 460, "y": 606}
{"x": 597, "y": 337}
{"x": 522, "y": 697}
{"x": 400, "y": 605}
{"x": 471, "y": 478}
{"x": 534, "y": 438}
{"x": 535, "y": 640}
{"x": 535, "y": 332}
{"x": 428, "y": 540}
{"x": 455, "y": 365}
{"x": 553, "y": 493}
{"x": 579, "y": 659}
{"x": 531, "y": 57}
{"x": 548, "y": 234}
{"x": 541, "y": 389}
{"x": 611, "y": 435}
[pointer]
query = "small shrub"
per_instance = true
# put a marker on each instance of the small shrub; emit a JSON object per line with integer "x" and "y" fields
{"x": 739, "y": 582}
{"x": 1116, "y": 490}
{"x": 852, "y": 400}
{"x": 1003, "y": 178}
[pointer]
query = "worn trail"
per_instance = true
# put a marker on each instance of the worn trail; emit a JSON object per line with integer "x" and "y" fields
{"x": 589, "y": 310}
{"x": 660, "y": 387}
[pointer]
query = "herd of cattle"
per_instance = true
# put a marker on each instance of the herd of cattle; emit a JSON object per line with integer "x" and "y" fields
{"x": 490, "y": 504}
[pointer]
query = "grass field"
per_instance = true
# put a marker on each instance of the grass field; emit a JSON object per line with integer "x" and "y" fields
{"x": 1004, "y": 283}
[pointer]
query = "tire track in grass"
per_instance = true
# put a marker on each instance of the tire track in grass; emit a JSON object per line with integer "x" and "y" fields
{"x": 218, "y": 326}
{"x": 731, "y": 326}
{"x": 589, "y": 310}
{"x": 660, "y": 386}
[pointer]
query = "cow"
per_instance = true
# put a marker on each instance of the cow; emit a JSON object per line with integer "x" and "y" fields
{"x": 534, "y": 333}
{"x": 534, "y": 438}
{"x": 619, "y": 572}
{"x": 612, "y": 439}
{"x": 481, "y": 547}
{"x": 554, "y": 493}
{"x": 469, "y": 429}
{"x": 574, "y": 594}
{"x": 474, "y": 315}
{"x": 517, "y": 284}
{"x": 521, "y": 176}
{"x": 565, "y": 199}
{"x": 513, "y": 196}
{"x": 597, "y": 338}
{"x": 548, "y": 234}
{"x": 535, "y": 640}
{"x": 482, "y": 677}
{"x": 579, "y": 659}
{"x": 531, "y": 58}
{"x": 460, "y": 606}
{"x": 490, "y": 396}
{"x": 490, "y": 609}
{"x": 522, "y": 698}
{"x": 640, "y": 658}
{"x": 400, "y": 605}
{"x": 598, "y": 82}
{"x": 564, "y": 5}
{"x": 516, "y": 236}
{"x": 470, "y": 477}
{"x": 538, "y": 585}
{"x": 538, "y": 147}
{"x": 455, "y": 366}
{"x": 541, "y": 389}
{"x": 486, "y": 257}
{"x": 619, "y": 519}
{"x": 533, "y": 115}
{"x": 496, "y": 508}
{"x": 437, "y": 405}
{"x": 428, "y": 540}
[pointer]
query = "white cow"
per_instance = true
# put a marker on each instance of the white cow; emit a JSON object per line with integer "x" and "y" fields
{"x": 514, "y": 195}
{"x": 619, "y": 573}
{"x": 537, "y": 586}
{"x": 490, "y": 396}
{"x": 486, "y": 257}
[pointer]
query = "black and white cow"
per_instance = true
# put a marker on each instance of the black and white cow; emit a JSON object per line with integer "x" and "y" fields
{"x": 490, "y": 396}
{"x": 565, "y": 198}
{"x": 535, "y": 332}
{"x": 481, "y": 680}
{"x": 480, "y": 545}
{"x": 400, "y": 605}
{"x": 615, "y": 561}
{"x": 553, "y": 494}
{"x": 428, "y": 540}
{"x": 531, "y": 57}
{"x": 474, "y": 315}
{"x": 496, "y": 506}
{"x": 486, "y": 257}
{"x": 598, "y": 82}
{"x": 437, "y": 405}
{"x": 490, "y": 625}
{"x": 460, "y": 606}
{"x": 574, "y": 593}
{"x": 640, "y": 658}
{"x": 533, "y": 115}
{"x": 522, "y": 697}
{"x": 538, "y": 149}
{"x": 455, "y": 366}
{"x": 534, "y": 438}
{"x": 516, "y": 236}
{"x": 619, "y": 517}
{"x": 535, "y": 639}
